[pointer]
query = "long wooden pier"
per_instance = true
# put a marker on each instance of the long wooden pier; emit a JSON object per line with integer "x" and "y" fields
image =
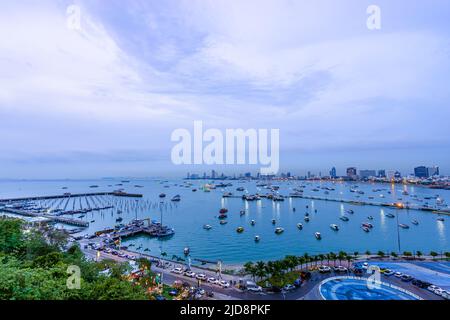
{"x": 73, "y": 195}
{"x": 69, "y": 221}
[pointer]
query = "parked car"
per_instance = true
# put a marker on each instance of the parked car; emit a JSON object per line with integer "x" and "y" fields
{"x": 224, "y": 284}
{"x": 406, "y": 278}
{"x": 324, "y": 269}
{"x": 201, "y": 276}
{"x": 212, "y": 280}
{"x": 189, "y": 274}
{"x": 289, "y": 287}
{"x": 432, "y": 288}
{"x": 177, "y": 270}
{"x": 398, "y": 274}
{"x": 388, "y": 273}
{"x": 298, "y": 283}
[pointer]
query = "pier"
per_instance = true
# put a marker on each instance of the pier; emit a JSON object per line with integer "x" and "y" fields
{"x": 69, "y": 221}
{"x": 73, "y": 195}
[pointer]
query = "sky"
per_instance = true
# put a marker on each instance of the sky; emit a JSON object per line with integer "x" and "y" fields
{"x": 102, "y": 100}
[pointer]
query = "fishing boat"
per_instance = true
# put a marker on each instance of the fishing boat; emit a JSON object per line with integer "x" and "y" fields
{"x": 279, "y": 230}
{"x": 440, "y": 219}
{"x": 274, "y": 221}
{"x": 253, "y": 222}
{"x": 223, "y": 216}
{"x": 223, "y": 222}
{"x": 186, "y": 251}
{"x": 176, "y": 198}
{"x": 365, "y": 229}
{"x": 300, "y": 226}
{"x": 242, "y": 213}
{"x": 307, "y": 219}
{"x": 390, "y": 215}
{"x": 223, "y": 210}
{"x": 370, "y": 217}
{"x": 257, "y": 238}
{"x": 240, "y": 229}
{"x": 194, "y": 190}
{"x": 240, "y": 189}
{"x": 335, "y": 227}
{"x": 367, "y": 225}
{"x": 350, "y": 211}
{"x": 404, "y": 226}
{"x": 207, "y": 227}
{"x": 344, "y": 218}
{"x": 318, "y": 235}
{"x": 162, "y": 195}
{"x": 119, "y": 219}
{"x": 415, "y": 222}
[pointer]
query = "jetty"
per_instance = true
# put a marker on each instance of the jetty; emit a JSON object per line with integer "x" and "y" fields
{"x": 69, "y": 221}
{"x": 72, "y": 195}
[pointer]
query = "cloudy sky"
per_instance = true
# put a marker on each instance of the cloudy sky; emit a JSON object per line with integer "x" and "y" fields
{"x": 102, "y": 100}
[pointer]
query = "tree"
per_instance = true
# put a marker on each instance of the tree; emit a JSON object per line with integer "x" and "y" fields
{"x": 434, "y": 254}
{"x": 394, "y": 254}
{"x": 261, "y": 270}
{"x": 380, "y": 254}
{"x": 249, "y": 268}
{"x": 419, "y": 254}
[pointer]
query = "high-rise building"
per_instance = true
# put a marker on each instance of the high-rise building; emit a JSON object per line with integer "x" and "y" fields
{"x": 213, "y": 174}
{"x": 333, "y": 172}
{"x": 381, "y": 173}
{"x": 433, "y": 171}
{"x": 367, "y": 173}
{"x": 351, "y": 172}
{"x": 421, "y": 172}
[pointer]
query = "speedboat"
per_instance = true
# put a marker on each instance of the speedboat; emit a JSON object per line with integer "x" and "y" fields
{"x": 390, "y": 215}
{"x": 344, "y": 218}
{"x": 242, "y": 213}
{"x": 440, "y": 219}
{"x": 370, "y": 217}
{"x": 257, "y": 238}
{"x": 367, "y": 225}
{"x": 415, "y": 222}
{"x": 119, "y": 219}
{"x": 350, "y": 211}
{"x": 223, "y": 222}
{"x": 207, "y": 227}
{"x": 162, "y": 195}
{"x": 318, "y": 235}
{"x": 240, "y": 229}
{"x": 334, "y": 227}
{"x": 253, "y": 222}
{"x": 366, "y": 229}
{"x": 176, "y": 198}
{"x": 404, "y": 226}
{"x": 223, "y": 210}
{"x": 300, "y": 226}
{"x": 279, "y": 230}
{"x": 307, "y": 219}
{"x": 186, "y": 251}
{"x": 274, "y": 221}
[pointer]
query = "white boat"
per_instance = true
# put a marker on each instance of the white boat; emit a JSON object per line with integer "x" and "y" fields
{"x": 253, "y": 222}
{"x": 176, "y": 198}
{"x": 300, "y": 226}
{"x": 415, "y": 222}
{"x": 334, "y": 227}
{"x": 307, "y": 219}
{"x": 257, "y": 238}
{"x": 186, "y": 251}
{"x": 318, "y": 235}
{"x": 207, "y": 227}
{"x": 344, "y": 218}
{"x": 279, "y": 230}
{"x": 404, "y": 226}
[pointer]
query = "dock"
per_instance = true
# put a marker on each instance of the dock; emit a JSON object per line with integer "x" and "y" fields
{"x": 69, "y": 221}
{"x": 73, "y": 195}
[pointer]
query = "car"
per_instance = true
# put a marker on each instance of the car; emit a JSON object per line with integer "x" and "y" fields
{"x": 212, "y": 280}
{"x": 160, "y": 298}
{"x": 406, "y": 278}
{"x": 201, "y": 276}
{"x": 254, "y": 288}
{"x": 224, "y": 284}
{"x": 121, "y": 254}
{"x": 114, "y": 252}
{"x": 289, "y": 287}
{"x": 432, "y": 288}
{"x": 398, "y": 274}
{"x": 439, "y": 291}
{"x": 340, "y": 269}
{"x": 365, "y": 265}
{"x": 108, "y": 250}
{"x": 298, "y": 283}
{"x": 190, "y": 274}
{"x": 177, "y": 270}
{"x": 201, "y": 291}
{"x": 324, "y": 269}
{"x": 210, "y": 294}
{"x": 388, "y": 273}
{"x": 446, "y": 295}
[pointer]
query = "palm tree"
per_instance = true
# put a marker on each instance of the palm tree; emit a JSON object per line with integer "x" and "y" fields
{"x": 380, "y": 254}
{"x": 333, "y": 257}
{"x": 356, "y": 254}
{"x": 321, "y": 258}
{"x": 349, "y": 260}
{"x": 249, "y": 268}
{"x": 433, "y": 254}
{"x": 301, "y": 261}
{"x": 341, "y": 256}
{"x": 368, "y": 253}
{"x": 261, "y": 270}
{"x": 419, "y": 254}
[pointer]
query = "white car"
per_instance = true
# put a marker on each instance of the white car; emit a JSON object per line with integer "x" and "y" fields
{"x": 398, "y": 274}
{"x": 201, "y": 276}
{"x": 212, "y": 280}
{"x": 446, "y": 295}
{"x": 340, "y": 269}
{"x": 324, "y": 269}
{"x": 365, "y": 265}
{"x": 177, "y": 270}
{"x": 439, "y": 291}
{"x": 189, "y": 274}
{"x": 224, "y": 284}
{"x": 254, "y": 289}
{"x": 432, "y": 288}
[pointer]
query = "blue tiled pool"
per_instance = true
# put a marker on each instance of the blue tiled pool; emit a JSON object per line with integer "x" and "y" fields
{"x": 356, "y": 289}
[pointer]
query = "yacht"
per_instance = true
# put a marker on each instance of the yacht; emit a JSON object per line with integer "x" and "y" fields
{"x": 176, "y": 198}
{"x": 240, "y": 229}
{"x": 415, "y": 222}
{"x": 257, "y": 238}
{"x": 207, "y": 227}
{"x": 186, "y": 251}
{"x": 253, "y": 222}
{"x": 404, "y": 226}
{"x": 350, "y": 211}
{"x": 344, "y": 218}
{"x": 390, "y": 215}
{"x": 162, "y": 195}
{"x": 279, "y": 230}
{"x": 300, "y": 226}
{"x": 365, "y": 229}
{"x": 318, "y": 235}
{"x": 334, "y": 227}
{"x": 240, "y": 189}
{"x": 223, "y": 222}
{"x": 307, "y": 219}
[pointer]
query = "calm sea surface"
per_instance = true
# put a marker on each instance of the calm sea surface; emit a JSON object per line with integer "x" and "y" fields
{"x": 196, "y": 209}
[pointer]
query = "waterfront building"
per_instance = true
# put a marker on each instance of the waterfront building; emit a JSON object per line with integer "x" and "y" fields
{"x": 433, "y": 171}
{"x": 381, "y": 173}
{"x": 366, "y": 173}
{"x": 333, "y": 173}
{"x": 352, "y": 173}
{"x": 421, "y": 172}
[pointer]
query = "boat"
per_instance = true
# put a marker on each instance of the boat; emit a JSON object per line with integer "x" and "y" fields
{"x": 405, "y": 193}
{"x": 440, "y": 219}
{"x": 307, "y": 214}
{"x": 318, "y": 235}
{"x": 279, "y": 230}
{"x": 146, "y": 249}
{"x": 207, "y": 227}
{"x": 194, "y": 190}
{"x": 94, "y": 186}
{"x": 162, "y": 195}
{"x": 404, "y": 226}
{"x": 223, "y": 222}
{"x": 300, "y": 226}
{"x": 223, "y": 210}
{"x": 273, "y": 221}
{"x": 344, "y": 218}
{"x": 92, "y": 221}
{"x": 334, "y": 227}
{"x": 415, "y": 222}
{"x": 367, "y": 225}
{"x": 223, "y": 216}
{"x": 227, "y": 195}
{"x": 240, "y": 189}
{"x": 370, "y": 217}
{"x": 365, "y": 229}
{"x": 186, "y": 251}
{"x": 390, "y": 215}
{"x": 176, "y": 198}
{"x": 307, "y": 219}
{"x": 257, "y": 238}
{"x": 119, "y": 219}
{"x": 242, "y": 213}
{"x": 119, "y": 211}
{"x": 253, "y": 222}
{"x": 240, "y": 229}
